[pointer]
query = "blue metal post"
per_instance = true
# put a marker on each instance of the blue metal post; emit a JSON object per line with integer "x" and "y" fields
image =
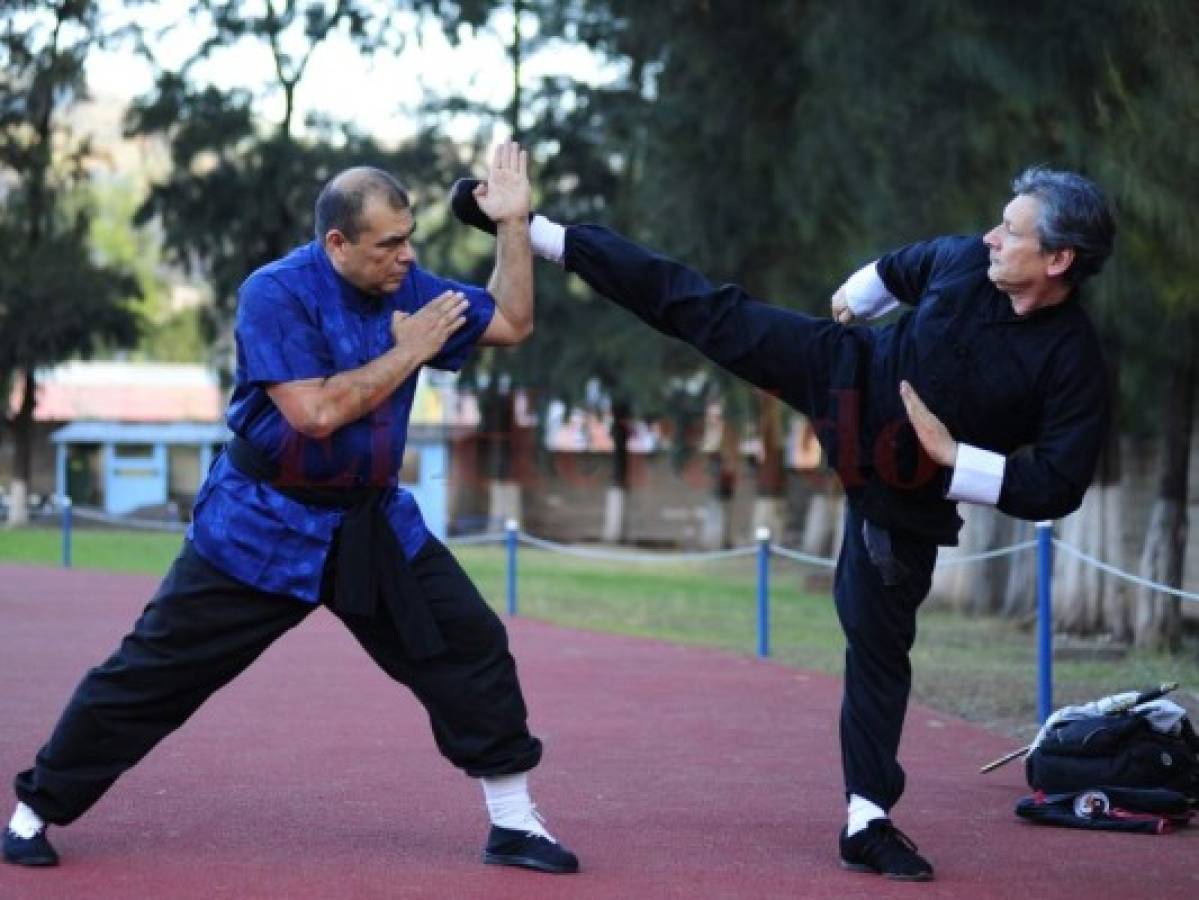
{"x": 66, "y": 532}
{"x": 763, "y": 536}
{"x": 511, "y": 527}
{"x": 1044, "y": 620}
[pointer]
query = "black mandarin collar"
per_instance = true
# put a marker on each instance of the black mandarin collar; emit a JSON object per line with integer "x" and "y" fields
{"x": 1000, "y": 309}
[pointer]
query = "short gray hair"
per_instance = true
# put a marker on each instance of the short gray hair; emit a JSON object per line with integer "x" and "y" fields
{"x": 1074, "y": 213}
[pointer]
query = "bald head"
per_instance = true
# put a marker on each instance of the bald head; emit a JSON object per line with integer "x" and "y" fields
{"x": 343, "y": 199}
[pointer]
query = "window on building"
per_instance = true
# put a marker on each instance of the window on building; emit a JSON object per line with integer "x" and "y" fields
{"x": 133, "y": 451}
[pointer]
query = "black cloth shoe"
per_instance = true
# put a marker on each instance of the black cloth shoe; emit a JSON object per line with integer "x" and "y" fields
{"x": 509, "y": 847}
{"x": 32, "y": 851}
{"x": 466, "y": 208}
{"x": 881, "y": 847}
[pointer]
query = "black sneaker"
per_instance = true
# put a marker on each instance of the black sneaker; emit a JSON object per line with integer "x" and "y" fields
{"x": 466, "y": 208}
{"x": 510, "y": 847}
{"x": 31, "y": 851}
{"x": 882, "y": 848}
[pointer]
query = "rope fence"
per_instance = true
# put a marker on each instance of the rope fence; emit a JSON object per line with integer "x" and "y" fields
{"x": 91, "y": 514}
{"x": 512, "y": 536}
{"x": 1118, "y": 573}
{"x": 632, "y": 556}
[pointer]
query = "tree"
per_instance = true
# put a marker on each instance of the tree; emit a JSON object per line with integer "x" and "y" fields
{"x": 785, "y": 148}
{"x": 1152, "y": 168}
{"x": 56, "y": 300}
{"x": 582, "y": 139}
{"x": 168, "y": 333}
{"x": 235, "y": 193}
{"x": 625, "y": 153}
{"x": 1100, "y": 88}
{"x": 241, "y": 186}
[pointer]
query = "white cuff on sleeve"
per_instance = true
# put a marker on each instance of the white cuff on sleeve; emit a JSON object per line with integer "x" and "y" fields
{"x": 977, "y": 475}
{"x": 867, "y": 295}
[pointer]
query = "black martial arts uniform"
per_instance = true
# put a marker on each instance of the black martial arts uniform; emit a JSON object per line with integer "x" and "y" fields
{"x": 1031, "y": 389}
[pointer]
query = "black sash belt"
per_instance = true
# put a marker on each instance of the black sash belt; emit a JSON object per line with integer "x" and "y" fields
{"x": 370, "y": 562}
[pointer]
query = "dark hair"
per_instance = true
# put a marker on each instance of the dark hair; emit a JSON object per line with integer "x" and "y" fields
{"x": 1074, "y": 213}
{"x": 343, "y": 198}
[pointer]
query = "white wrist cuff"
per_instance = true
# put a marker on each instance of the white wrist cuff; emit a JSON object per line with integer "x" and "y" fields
{"x": 547, "y": 238}
{"x": 977, "y": 475}
{"x": 867, "y": 295}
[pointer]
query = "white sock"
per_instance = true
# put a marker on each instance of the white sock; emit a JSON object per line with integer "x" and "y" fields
{"x": 25, "y": 822}
{"x": 548, "y": 239}
{"x": 509, "y": 804}
{"x": 861, "y": 813}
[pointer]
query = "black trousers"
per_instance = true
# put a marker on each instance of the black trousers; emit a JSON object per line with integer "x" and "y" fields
{"x": 811, "y": 363}
{"x": 203, "y": 628}
{"x": 881, "y": 580}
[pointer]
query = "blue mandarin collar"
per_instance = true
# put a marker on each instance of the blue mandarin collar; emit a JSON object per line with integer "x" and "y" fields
{"x": 350, "y": 296}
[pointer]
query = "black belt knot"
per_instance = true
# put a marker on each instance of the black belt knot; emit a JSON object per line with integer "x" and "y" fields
{"x": 370, "y": 562}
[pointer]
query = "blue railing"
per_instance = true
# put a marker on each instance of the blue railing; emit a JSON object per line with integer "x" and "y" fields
{"x": 511, "y": 537}
{"x": 1044, "y": 620}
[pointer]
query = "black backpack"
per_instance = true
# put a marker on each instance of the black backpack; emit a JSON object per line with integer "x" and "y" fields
{"x": 1113, "y": 772}
{"x": 1120, "y": 751}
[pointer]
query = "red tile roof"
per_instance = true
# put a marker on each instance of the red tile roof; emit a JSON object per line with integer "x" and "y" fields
{"x": 126, "y": 392}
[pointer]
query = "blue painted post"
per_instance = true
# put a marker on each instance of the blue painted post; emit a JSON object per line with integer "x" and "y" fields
{"x": 66, "y": 532}
{"x": 763, "y": 536}
{"x": 1044, "y": 620}
{"x": 511, "y": 527}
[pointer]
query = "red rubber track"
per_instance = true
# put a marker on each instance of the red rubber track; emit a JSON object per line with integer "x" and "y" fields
{"x": 672, "y": 771}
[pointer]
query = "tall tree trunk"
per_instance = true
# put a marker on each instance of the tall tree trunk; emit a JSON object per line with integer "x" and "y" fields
{"x": 5, "y": 400}
{"x": 497, "y": 418}
{"x": 1157, "y": 617}
{"x": 1076, "y": 584}
{"x": 516, "y": 54}
{"x": 22, "y": 423}
{"x": 726, "y": 479}
{"x": 1114, "y": 603}
{"x": 499, "y": 412}
{"x": 39, "y": 202}
{"x": 723, "y": 456}
{"x": 976, "y": 588}
{"x": 824, "y": 526}
{"x": 822, "y": 522}
{"x": 615, "y": 530}
{"x": 1085, "y": 601}
{"x": 1020, "y": 592}
{"x": 769, "y": 501}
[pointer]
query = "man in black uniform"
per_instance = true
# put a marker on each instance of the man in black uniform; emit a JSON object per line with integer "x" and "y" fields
{"x": 990, "y": 390}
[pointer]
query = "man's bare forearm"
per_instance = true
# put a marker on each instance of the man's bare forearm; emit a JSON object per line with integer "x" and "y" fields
{"x": 348, "y": 396}
{"x": 511, "y": 282}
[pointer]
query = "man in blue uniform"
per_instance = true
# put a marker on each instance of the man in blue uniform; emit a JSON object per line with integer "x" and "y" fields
{"x": 990, "y": 390}
{"x": 303, "y": 508}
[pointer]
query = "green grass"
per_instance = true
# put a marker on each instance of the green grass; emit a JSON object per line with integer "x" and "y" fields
{"x": 981, "y": 669}
{"x": 116, "y": 551}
